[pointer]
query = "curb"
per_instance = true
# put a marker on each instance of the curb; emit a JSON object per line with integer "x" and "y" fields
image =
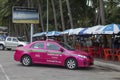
{"x": 105, "y": 64}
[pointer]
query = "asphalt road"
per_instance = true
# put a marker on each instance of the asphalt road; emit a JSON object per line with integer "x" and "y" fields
{"x": 12, "y": 70}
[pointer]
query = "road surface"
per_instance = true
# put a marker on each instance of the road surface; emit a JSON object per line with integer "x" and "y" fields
{"x": 12, "y": 70}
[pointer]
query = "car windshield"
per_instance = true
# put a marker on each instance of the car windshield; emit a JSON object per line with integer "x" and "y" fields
{"x": 2, "y": 38}
{"x": 68, "y": 47}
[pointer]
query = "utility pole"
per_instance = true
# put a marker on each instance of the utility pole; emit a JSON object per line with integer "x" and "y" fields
{"x": 47, "y": 16}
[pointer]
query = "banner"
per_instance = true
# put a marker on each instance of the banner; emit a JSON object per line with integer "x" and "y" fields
{"x": 25, "y": 15}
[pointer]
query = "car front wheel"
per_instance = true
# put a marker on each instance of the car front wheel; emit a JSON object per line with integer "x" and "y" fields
{"x": 26, "y": 60}
{"x": 71, "y": 63}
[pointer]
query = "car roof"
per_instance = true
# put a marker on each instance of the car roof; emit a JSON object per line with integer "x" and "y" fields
{"x": 11, "y": 37}
{"x": 47, "y": 40}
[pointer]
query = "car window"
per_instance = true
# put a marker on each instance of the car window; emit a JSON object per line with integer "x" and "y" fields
{"x": 38, "y": 45}
{"x": 51, "y": 46}
{"x": 15, "y": 40}
{"x": 8, "y": 39}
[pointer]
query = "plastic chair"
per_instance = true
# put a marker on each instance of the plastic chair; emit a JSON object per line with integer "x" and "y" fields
{"x": 98, "y": 52}
{"x": 84, "y": 49}
{"x": 78, "y": 47}
{"x": 118, "y": 55}
{"x": 107, "y": 54}
{"x": 91, "y": 50}
{"x": 114, "y": 54}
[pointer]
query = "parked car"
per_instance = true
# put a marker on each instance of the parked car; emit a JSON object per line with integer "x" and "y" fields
{"x": 53, "y": 53}
{"x": 11, "y": 43}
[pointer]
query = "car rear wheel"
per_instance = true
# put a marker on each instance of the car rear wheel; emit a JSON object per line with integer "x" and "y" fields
{"x": 71, "y": 63}
{"x": 2, "y": 47}
{"x": 8, "y": 48}
{"x": 26, "y": 60}
{"x": 19, "y": 45}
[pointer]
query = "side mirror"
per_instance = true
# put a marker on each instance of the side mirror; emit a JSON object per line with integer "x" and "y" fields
{"x": 62, "y": 50}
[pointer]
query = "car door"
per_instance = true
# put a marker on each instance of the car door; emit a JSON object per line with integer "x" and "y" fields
{"x": 7, "y": 42}
{"x": 54, "y": 55}
{"x": 38, "y": 52}
{"x": 14, "y": 43}
{"x": 11, "y": 43}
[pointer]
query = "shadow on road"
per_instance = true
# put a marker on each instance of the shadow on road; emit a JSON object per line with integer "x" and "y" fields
{"x": 54, "y": 66}
{"x": 89, "y": 69}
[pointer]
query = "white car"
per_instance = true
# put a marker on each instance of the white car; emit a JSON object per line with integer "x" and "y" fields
{"x": 11, "y": 43}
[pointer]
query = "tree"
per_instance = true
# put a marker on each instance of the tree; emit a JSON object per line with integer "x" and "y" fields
{"x": 70, "y": 17}
{"x": 62, "y": 19}
{"x": 40, "y": 12}
{"x": 54, "y": 12}
{"x": 112, "y": 8}
{"x": 69, "y": 13}
{"x": 82, "y": 14}
{"x": 102, "y": 14}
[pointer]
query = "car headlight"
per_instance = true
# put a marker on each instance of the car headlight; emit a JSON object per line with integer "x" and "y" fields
{"x": 82, "y": 56}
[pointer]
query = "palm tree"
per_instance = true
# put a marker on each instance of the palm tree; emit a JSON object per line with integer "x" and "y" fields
{"x": 70, "y": 17}
{"x": 62, "y": 19}
{"x": 54, "y": 12}
{"x": 112, "y": 10}
{"x": 81, "y": 14}
{"x": 102, "y": 14}
{"x": 40, "y": 12}
{"x": 69, "y": 13}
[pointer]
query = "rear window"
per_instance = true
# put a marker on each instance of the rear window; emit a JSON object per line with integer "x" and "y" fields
{"x": 51, "y": 46}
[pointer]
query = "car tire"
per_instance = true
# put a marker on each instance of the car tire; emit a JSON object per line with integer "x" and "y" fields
{"x": 19, "y": 45}
{"x": 71, "y": 63}
{"x": 26, "y": 60}
{"x": 2, "y": 47}
{"x": 9, "y": 49}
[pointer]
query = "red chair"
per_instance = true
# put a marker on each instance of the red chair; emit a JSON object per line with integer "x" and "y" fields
{"x": 118, "y": 55}
{"x": 114, "y": 54}
{"x": 107, "y": 54}
{"x": 84, "y": 49}
{"x": 91, "y": 50}
{"x": 77, "y": 47}
{"x": 98, "y": 52}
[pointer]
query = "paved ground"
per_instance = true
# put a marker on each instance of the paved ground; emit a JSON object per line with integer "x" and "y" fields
{"x": 12, "y": 70}
{"x": 109, "y": 63}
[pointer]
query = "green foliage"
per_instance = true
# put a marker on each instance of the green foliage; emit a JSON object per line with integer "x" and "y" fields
{"x": 83, "y": 14}
{"x": 112, "y": 11}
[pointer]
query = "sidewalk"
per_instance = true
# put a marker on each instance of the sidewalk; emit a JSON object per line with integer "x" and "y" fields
{"x": 109, "y": 64}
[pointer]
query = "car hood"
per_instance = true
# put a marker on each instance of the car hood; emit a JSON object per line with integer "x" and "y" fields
{"x": 22, "y": 42}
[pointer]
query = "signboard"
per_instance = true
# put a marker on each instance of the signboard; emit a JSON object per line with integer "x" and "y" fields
{"x": 25, "y": 15}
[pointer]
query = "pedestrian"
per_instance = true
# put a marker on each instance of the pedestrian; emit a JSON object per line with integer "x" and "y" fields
{"x": 116, "y": 44}
{"x": 88, "y": 42}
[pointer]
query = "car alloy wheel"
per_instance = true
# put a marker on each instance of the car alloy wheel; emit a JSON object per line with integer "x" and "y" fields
{"x": 26, "y": 60}
{"x": 71, "y": 63}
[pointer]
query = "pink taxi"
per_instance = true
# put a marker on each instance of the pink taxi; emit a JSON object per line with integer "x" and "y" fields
{"x": 53, "y": 53}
